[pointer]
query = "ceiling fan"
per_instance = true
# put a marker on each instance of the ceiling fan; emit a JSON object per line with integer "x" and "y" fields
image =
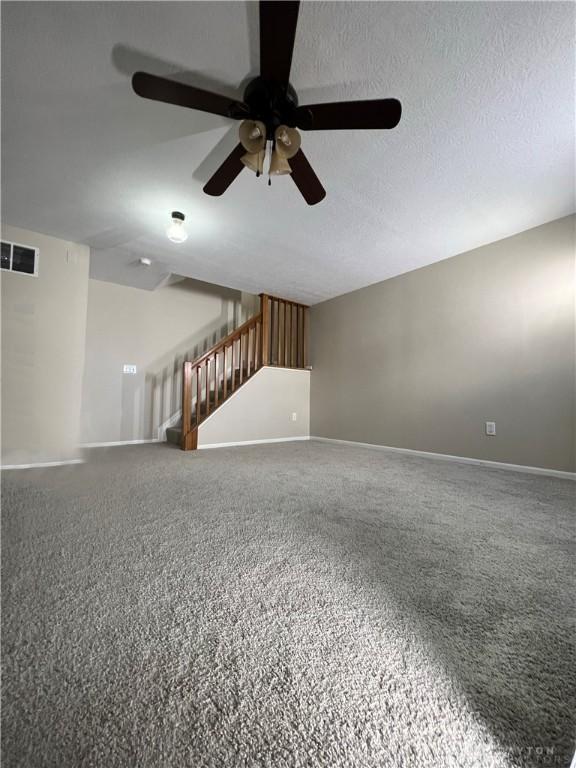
{"x": 270, "y": 113}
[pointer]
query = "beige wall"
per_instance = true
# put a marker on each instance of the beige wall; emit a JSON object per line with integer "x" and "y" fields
{"x": 43, "y": 334}
{"x": 156, "y": 331}
{"x": 262, "y": 410}
{"x": 423, "y": 360}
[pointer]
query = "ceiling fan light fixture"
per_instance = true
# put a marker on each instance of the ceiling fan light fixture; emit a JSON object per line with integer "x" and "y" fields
{"x": 287, "y": 141}
{"x": 252, "y": 136}
{"x": 254, "y": 161}
{"x": 279, "y": 166}
{"x": 176, "y": 231}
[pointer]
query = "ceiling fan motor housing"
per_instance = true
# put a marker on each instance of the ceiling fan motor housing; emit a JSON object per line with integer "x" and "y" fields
{"x": 272, "y": 103}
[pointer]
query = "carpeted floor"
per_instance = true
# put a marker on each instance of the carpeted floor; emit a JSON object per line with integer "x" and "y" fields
{"x": 300, "y": 604}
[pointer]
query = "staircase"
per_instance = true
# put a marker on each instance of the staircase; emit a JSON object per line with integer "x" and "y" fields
{"x": 277, "y": 335}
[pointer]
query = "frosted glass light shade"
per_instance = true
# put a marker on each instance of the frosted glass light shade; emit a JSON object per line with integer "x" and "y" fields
{"x": 176, "y": 232}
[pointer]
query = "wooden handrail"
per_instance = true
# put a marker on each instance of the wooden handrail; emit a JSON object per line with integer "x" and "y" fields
{"x": 284, "y": 301}
{"x": 227, "y": 340}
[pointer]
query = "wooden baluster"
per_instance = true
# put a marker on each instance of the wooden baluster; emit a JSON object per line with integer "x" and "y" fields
{"x": 216, "y": 379}
{"x": 305, "y": 339}
{"x": 248, "y": 351}
{"x": 287, "y": 335}
{"x": 300, "y": 335}
{"x": 233, "y": 382}
{"x": 274, "y": 332}
{"x": 241, "y": 359}
{"x": 207, "y": 368}
{"x": 225, "y": 375}
{"x": 291, "y": 338}
{"x": 296, "y": 334}
{"x": 271, "y": 331}
{"x": 281, "y": 331}
{"x": 294, "y": 329}
{"x": 238, "y": 358}
{"x": 286, "y": 359}
{"x": 198, "y": 394}
{"x": 303, "y": 313}
{"x": 254, "y": 341}
{"x": 265, "y": 342}
{"x": 248, "y": 354}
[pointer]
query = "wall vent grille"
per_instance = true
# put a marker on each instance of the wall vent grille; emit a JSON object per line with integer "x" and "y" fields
{"x": 19, "y": 258}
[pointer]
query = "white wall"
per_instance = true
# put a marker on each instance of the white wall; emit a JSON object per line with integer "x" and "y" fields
{"x": 43, "y": 339}
{"x": 261, "y": 410}
{"x": 156, "y": 331}
{"x": 423, "y": 360}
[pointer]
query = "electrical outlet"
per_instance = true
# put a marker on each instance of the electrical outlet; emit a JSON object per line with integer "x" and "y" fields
{"x": 490, "y": 427}
{"x": 130, "y": 369}
{"x": 293, "y": 417}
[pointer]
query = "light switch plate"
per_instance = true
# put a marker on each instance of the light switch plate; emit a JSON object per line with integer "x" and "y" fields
{"x": 130, "y": 369}
{"x": 490, "y": 427}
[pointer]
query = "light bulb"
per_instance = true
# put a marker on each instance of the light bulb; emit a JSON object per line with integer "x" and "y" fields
{"x": 284, "y": 138}
{"x": 176, "y": 232}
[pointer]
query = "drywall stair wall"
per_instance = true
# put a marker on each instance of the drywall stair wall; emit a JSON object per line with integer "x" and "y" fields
{"x": 262, "y": 410}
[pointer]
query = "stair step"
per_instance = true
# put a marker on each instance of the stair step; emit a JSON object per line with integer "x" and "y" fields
{"x": 174, "y": 435}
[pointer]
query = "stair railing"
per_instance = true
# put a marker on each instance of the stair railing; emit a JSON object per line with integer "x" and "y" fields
{"x": 277, "y": 336}
{"x": 285, "y": 332}
{"x": 214, "y": 376}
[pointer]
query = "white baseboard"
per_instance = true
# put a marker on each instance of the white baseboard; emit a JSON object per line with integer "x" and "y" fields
{"x": 448, "y": 457}
{"x": 253, "y": 442}
{"x": 120, "y": 442}
{"x": 43, "y": 464}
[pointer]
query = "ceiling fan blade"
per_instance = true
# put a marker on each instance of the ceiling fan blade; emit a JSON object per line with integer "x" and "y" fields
{"x": 376, "y": 113}
{"x": 219, "y": 182}
{"x": 305, "y": 179}
{"x": 172, "y": 92}
{"x": 277, "y": 32}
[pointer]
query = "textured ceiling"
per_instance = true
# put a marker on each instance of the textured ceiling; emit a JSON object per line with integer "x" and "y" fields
{"x": 485, "y": 147}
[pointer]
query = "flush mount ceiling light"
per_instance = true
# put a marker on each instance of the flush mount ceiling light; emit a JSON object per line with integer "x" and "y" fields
{"x": 176, "y": 231}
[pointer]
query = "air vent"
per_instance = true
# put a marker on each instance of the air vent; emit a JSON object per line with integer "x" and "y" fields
{"x": 19, "y": 258}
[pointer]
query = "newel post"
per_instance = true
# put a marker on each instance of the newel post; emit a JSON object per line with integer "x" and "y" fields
{"x": 265, "y": 310}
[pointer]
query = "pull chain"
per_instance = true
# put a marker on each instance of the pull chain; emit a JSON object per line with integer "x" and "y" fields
{"x": 272, "y": 148}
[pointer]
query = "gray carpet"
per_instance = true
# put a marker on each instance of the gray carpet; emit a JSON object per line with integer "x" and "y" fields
{"x": 299, "y": 604}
